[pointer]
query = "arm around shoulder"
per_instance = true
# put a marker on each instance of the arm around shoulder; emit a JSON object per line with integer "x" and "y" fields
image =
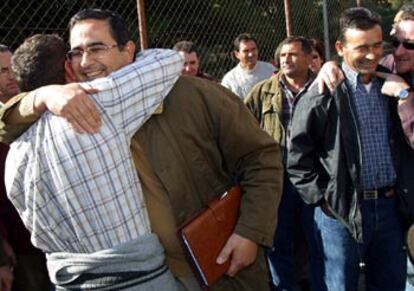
{"x": 16, "y": 116}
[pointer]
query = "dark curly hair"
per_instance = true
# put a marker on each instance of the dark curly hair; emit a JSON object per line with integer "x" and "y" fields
{"x": 39, "y": 61}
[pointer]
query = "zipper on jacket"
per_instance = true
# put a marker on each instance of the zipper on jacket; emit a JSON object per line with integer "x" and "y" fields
{"x": 360, "y": 162}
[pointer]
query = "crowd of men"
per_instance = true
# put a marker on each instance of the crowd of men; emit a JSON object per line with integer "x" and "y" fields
{"x": 111, "y": 151}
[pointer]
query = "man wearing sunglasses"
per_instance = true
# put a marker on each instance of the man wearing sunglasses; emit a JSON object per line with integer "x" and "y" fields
{"x": 403, "y": 52}
{"x": 401, "y": 61}
{"x": 348, "y": 145}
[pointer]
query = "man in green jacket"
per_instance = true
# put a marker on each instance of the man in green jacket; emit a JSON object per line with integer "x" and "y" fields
{"x": 273, "y": 102}
{"x": 186, "y": 154}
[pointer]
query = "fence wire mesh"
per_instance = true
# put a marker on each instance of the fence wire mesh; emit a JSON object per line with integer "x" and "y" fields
{"x": 211, "y": 24}
{"x": 22, "y": 18}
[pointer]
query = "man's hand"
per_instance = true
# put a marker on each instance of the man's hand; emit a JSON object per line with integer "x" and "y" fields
{"x": 330, "y": 75}
{"x": 393, "y": 84}
{"x": 71, "y": 102}
{"x": 6, "y": 278}
{"x": 242, "y": 253}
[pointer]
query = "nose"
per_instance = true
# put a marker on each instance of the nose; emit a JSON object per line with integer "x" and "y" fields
{"x": 374, "y": 53}
{"x": 370, "y": 56}
{"x": 399, "y": 50}
{"x": 85, "y": 59}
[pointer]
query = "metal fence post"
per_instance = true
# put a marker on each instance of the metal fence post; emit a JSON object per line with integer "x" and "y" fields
{"x": 211, "y": 25}
{"x": 288, "y": 18}
{"x": 142, "y": 26}
{"x": 326, "y": 30}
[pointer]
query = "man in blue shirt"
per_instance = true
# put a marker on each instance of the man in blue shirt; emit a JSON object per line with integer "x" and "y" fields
{"x": 347, "y": 156}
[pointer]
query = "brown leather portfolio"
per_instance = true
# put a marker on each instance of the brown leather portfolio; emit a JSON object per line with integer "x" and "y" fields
{"x": 205, "y": 235}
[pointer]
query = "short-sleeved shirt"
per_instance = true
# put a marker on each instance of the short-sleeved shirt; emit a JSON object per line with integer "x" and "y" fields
{"x": 241, "y": 81}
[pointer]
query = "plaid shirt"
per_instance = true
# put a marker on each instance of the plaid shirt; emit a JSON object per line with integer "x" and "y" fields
{"x": 377, "y": 169}
{"x": 80, "y": 193}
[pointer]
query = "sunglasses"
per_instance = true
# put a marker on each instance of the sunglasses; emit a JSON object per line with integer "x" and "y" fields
{"x": 407, "y": 44}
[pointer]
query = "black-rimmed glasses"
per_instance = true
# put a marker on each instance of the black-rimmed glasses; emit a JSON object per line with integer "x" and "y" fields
{"x": 94, "y": 51}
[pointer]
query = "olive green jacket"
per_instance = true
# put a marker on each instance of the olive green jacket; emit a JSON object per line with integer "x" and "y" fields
{"x": 265, "y": 102}
{"x": 202, "y": 137}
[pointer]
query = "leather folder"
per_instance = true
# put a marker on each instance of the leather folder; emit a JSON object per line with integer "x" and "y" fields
{"x": 204, "y": 236}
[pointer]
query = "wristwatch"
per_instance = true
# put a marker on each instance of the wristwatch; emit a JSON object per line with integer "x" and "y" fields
{"x": 403, "y": 94}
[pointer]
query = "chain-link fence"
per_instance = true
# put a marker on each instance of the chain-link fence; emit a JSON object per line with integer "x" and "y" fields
{"x": 211, "y": 24}
{"x": 22, "y": 18}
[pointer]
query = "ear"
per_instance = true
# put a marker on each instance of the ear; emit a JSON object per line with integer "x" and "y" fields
{"x": 308, "y": 58}
{"x": 339, "y": 46}
{"x": 237, "y": 55}
{"x": 129, "y": 50}
{"x": 69, "y": 76}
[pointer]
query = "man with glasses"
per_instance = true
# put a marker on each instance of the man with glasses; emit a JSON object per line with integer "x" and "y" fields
{"x": 186, "y": 154}
{"x": 401, "y": 62}
{"x": 86, "y": 198}
{"x": 403, "y": 52}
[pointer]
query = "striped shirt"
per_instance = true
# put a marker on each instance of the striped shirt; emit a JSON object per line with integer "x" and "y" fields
{"x": 80, "y": 193}
{"x": 377, "y": 169}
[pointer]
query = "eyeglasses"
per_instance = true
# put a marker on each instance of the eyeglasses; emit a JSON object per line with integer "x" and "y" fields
{"x": 407, "y": 44}
{"x": 94, "y": 51}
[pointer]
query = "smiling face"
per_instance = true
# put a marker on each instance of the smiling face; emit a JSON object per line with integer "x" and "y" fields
{"x": 8, "y": 83}
{"x": 89, "y": 33}
{"x": 361, "y": 49}
{"x": 403, "y": 57}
